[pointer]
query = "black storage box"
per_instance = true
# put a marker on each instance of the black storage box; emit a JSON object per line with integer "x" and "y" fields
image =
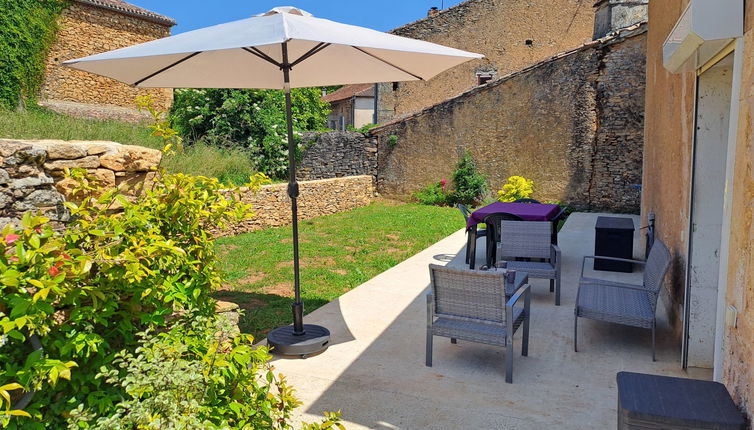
{"x": 614, "y": 237}
{"x": 662, "y": 402}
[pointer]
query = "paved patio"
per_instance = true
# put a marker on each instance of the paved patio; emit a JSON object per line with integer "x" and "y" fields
{"x": 374, "y": 371}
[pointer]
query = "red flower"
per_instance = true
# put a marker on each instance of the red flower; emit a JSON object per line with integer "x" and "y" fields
{"x": 10, "y": 238}
{"x": 54, "y": 271}
{"x": 443, "y": 183}
{"x": 38, "y": 230}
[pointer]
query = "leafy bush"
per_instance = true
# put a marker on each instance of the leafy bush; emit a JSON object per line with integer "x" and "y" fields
{"x": 392, "y": 140}
{"x": 192, "y": 377}
{"x": 517, "y": 187}
{"x": 433, "y": 194}
{"x": 27, "y": 30}
{"x": 250, "y": 119}
{"x": 88, "y": 290}
{"x": 470, "y": 185}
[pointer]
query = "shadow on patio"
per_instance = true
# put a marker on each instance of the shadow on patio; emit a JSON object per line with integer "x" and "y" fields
{"x": 379, "y": 379}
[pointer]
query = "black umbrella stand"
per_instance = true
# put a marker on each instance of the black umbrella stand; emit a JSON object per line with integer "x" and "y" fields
{"x": 299, "y": 339}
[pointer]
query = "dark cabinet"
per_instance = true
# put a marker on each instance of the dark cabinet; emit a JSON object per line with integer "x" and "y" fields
{"x": 614, "y": 237}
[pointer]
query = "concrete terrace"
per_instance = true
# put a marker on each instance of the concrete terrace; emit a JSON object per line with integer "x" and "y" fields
{"x": 374, "y": 371}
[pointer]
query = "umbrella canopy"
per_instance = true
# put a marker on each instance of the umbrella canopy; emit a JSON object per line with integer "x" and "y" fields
{"x": 247, "y": 54}
{"x": 282, "y": 49}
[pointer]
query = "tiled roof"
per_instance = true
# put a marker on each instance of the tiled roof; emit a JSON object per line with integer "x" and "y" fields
{"x": 348, "y": 91}
{"x": 129, "y": 9}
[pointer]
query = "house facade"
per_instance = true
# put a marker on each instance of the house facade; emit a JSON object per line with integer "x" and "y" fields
{"x": 698, "y": 178}
{"x": 510, "y": 34}
{"x": 352, "y": 105}
{"x": 89, "y": 27}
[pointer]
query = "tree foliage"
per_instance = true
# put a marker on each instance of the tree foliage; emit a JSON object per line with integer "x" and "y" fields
{"x": 470, "y": 184}
{"x": 250, "y": 119}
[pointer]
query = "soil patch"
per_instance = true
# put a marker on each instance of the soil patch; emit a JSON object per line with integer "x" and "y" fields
{"x": 252, "y": 278}
{"x": 284, "y": 289}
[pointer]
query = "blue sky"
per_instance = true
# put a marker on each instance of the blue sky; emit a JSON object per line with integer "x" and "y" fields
{"x": 380, "y": 15}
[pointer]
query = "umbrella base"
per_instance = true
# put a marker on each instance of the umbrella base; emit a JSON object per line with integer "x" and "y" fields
{"x": 314, "y": 340}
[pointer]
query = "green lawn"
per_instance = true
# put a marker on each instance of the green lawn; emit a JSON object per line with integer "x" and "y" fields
{"x": 338, "y": 252}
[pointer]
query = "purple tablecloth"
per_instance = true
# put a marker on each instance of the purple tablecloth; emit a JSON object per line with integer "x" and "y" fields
{"x": 527, "y": 211}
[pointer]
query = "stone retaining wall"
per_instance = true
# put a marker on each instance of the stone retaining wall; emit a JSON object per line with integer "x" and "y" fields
{"x": 272, "y": 206}
{"x": 574, "y": 124}
{"x": 334, "y": 154}
{"x": 32, "y": 172}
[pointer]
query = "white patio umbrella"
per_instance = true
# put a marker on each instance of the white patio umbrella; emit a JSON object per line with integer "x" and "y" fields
{"x": 282, "y": 49}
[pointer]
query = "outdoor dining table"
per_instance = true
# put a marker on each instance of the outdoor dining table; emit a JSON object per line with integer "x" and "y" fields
{"x": 525, "y": 211}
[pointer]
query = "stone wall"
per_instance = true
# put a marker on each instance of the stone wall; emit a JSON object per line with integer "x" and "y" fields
{"x": 86, "y": 30}
{"x": 32, "y": 173}
{"x": 511, "y": 35}
{"x": 573, "y": 124}
{"x": 335, "y": 154}
{"x": 272, "y": 207}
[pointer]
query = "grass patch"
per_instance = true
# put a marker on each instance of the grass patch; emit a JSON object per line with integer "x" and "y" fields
{"x": 40, "y": 123}
{"x": 338, "y": 252}
{"x": 229, "y": 165}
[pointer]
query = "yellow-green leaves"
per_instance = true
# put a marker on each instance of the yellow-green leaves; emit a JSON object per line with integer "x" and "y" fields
{"x": 517, "y": 187}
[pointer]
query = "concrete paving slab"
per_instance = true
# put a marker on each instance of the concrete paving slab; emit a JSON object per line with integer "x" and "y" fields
{"x": 374, "y": 371}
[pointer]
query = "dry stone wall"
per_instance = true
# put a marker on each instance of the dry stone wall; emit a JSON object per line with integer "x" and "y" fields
{"x": 32, "y": 173}
{"x": 573, "y": 124}
{"x": 336, "y": 154}
{"x": 86, "y": 30}
{"x": 272, "y": 206}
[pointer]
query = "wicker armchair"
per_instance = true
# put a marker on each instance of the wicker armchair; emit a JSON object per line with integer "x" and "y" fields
{"x": 531, "y": 240}
{"x": 493, "y": 233}
{"x": 480, "y": 232}
{"x": 470, "y": 305}
{"x": 627, "y": 304}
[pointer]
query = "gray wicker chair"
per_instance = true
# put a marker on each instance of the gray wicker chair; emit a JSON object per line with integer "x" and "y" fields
{"x": 531, "y": 240}
{"x": 493, "y": 233}
{"x": 470, "y": 305}
{"x": 627, "y": 304}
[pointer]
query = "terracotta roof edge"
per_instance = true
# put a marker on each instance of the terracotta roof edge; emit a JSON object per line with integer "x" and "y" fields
{"x": 138, "y": 13}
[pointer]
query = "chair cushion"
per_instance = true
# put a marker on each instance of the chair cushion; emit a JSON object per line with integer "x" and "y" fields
{"x": 535, "y": 269}
{"x": 475, "y": 331}
{"x": 614, "y": 304}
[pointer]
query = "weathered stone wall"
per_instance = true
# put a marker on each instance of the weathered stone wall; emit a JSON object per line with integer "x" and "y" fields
{"x": 499, "y": 29}
{"x": 573, "y": 124}
{"x": 86, "y": 30}
{"x": 335, "y": 154}
{"x": 272, "y": 207}
{"x": 32, "y": 172}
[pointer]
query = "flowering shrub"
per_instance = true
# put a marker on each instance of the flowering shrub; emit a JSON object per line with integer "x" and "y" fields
{"x": 433, "y": 194}
{"x": 86, "y": 291}
{"x": 517, "y": 187}
{"x": 250, "y": 119}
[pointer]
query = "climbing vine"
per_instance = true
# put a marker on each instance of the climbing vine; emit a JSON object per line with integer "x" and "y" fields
{"x": 27, "y": 31}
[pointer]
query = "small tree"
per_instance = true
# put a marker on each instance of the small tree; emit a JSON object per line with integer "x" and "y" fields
{"x": 470, "y": 184}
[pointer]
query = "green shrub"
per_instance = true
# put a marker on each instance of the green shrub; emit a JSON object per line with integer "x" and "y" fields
{"x": 392, "y": 140}
{"x": 27, "y": 30}
{"x": 469, "y": 184}
{"x": 253, "y": 120}
{"x": 517, "y": 187}
{"x": 433, "y": 195}
{"x": 194, "y": 377}
{"x": 88, "y": 290}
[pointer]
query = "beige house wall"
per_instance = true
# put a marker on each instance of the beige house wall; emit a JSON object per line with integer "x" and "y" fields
{"x": 668, "y": 144}
{"x": 498, "y": 29}
{"x": 86, "y": 30}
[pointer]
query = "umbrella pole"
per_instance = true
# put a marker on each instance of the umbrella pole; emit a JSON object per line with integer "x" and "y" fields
{"x": 298, "y": 305}
{"x": 300, "y": 339}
